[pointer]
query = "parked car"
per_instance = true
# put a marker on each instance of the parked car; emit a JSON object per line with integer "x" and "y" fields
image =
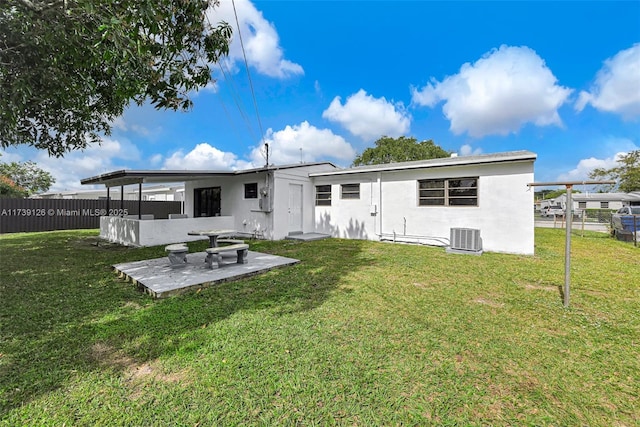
{"x": 628, "y": 210}
{"x": 626, "y": 220}
{"x": 552, "y": 210}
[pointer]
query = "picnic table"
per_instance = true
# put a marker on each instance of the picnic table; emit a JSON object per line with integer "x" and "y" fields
{"x": 212, "y": 234}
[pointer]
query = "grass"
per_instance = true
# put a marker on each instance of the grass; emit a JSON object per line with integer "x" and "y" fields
{"x": 358, "y": 333}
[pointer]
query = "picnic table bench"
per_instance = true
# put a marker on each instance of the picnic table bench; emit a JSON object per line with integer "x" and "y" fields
{"x": 177, "y": 254}
{"x": 215, "y": 254}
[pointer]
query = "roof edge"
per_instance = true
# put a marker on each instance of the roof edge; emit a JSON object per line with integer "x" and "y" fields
{"x": 509, "y": 156}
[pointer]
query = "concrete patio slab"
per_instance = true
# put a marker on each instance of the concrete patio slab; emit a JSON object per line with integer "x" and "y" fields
{"x": 157, "y": 278}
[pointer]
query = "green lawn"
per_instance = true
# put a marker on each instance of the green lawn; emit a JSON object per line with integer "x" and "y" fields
{"x": 358, "y": 333}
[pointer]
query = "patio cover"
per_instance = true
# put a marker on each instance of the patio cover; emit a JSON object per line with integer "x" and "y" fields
{"x": 127, "y": 177}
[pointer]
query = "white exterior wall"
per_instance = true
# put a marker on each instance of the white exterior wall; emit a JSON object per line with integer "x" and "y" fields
{"x": 503, "y": 215}
{"x": 592, "y": 204}
{"x": 271, "y": 223}
{"x": 594, "y": 201}
{"x": 248, "y": 218}
{"x": 350, "y": 218}
{"x": 153, "y": 232}
{"x": 283, "y": 178}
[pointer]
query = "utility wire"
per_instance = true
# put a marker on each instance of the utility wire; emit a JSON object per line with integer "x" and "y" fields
{"x": 233, "y": 90}
{"x": 236, "y": 98}
{"x": 253, "y": 94}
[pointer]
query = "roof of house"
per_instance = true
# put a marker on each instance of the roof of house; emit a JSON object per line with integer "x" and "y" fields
{"x": 509, "y": 156}
{"x": 127, "y": 177}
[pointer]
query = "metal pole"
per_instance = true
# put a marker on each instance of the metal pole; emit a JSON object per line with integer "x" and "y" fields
{"x": 567, "y": 250}
{"x": 122, "y": 200}
{"x": 569, "y": 206}
{"x": 139, "y": 200}
{"x": 108, "y": 198}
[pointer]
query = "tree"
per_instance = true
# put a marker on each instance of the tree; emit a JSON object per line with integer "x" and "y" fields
{"x": 24, "y": 179}
{"x": 68, "y": 68}
{"x": 402, "y": 149}
{"x": 9, "y": 189}
{"x": 626, "y": 173}
{"x": 552, "y": 194}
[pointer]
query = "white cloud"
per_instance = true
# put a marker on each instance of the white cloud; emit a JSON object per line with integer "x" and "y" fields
{"x": 8, "y": 157}
{"x": 124, "y": 125}
{"x": 259, "y": 36}
{"x": 203, "y": 156}
{"x": 617, "y": 85}
{"x": 303, "y": 142}
{"x": 94, "y": 160}
{"x": 618, "y": 146}
{"x": 369, "y": 118}
{"x": 505, "y": 89}
{"x": 468, "y": 150}
{"x": 156, "y": 159}
{"x": 585, "y": 166}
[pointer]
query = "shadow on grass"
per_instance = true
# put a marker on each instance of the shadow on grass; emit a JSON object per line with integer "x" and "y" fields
{"x": 67, "y": 313}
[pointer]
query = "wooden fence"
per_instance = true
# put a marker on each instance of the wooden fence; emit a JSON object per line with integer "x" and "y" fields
{"x": 18, "y": 215}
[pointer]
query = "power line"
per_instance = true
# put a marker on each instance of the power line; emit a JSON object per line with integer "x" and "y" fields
{"x": 246, "y": 64}
{"x": 236, "y": 98}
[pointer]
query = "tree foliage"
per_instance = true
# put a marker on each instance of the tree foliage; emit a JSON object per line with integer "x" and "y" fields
{"x": 402, "y": 149}
{"x": 9, "y": 189}
{"x": 552, "y": 194}
{"x": 27, "y": 178}
{"x": 68, "y": 68}
{"x": 626, "y": 173}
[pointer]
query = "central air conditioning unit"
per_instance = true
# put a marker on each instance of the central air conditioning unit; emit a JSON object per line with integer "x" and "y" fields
{"x": 465, "y": 241}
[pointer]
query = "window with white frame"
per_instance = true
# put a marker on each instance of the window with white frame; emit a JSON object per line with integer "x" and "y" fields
{"x": 582, "y": 205}
{"x": 350, "y": 191}
{"x": 604, "y": 205}
{"x": 448, "y": 192}
{"x": 323, "y": 195}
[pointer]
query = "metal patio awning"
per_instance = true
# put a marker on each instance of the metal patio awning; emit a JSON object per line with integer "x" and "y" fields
{"x": 128, "y": 177}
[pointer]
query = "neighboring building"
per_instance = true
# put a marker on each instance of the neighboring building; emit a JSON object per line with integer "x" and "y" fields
{"x": 164, "y": 192}
{"x": 411, "y": 201}
{"x": 609, "y": 201}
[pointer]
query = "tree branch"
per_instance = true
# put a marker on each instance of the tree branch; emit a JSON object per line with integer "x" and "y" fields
{"x": 41, "y": 6}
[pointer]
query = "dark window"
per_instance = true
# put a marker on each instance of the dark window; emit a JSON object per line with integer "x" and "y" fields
{"x": 582, "y": 205}
{"x": 350, "y": 191}
{"x": 604, "y": 205}
{"x": 206, "y": 202}
{"x": 431, "y": 192}
{"x": 251, "y": 190}
{"x": 323, "y": 195}
{"x": 448, "y": 192}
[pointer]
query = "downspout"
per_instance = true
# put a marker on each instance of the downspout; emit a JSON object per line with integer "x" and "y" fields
{"x": 380, "y": 203}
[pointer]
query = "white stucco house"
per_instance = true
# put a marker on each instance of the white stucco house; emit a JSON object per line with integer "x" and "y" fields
{"x": 417, "y": 202}
{"x": 590, "y": 200}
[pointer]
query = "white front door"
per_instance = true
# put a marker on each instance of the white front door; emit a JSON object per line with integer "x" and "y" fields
{"x": 295, "y": 208}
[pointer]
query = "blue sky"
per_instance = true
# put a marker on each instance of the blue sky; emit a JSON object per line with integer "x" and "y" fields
{"x": 561, "y": 79}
